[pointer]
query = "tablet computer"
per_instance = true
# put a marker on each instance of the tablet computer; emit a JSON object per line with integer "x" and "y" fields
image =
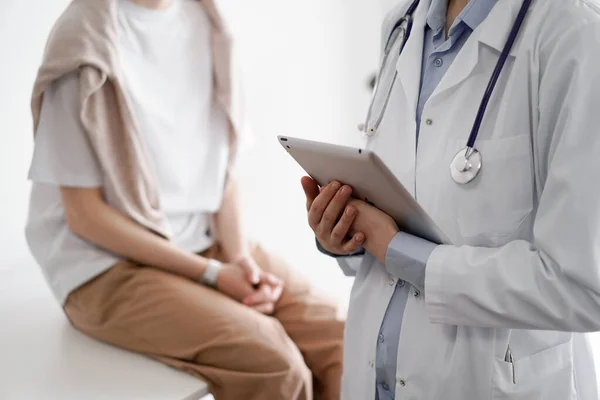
{"x": 369, "y": 178}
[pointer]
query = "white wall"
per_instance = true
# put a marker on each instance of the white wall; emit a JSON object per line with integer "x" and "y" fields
{"x": 23, "y": 27}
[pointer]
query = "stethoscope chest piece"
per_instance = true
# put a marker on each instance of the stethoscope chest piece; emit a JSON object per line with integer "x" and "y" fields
{"x": 466, "y": 165}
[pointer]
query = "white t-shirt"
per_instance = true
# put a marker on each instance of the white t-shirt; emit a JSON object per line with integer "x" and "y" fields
{"x": 166, "y": 61}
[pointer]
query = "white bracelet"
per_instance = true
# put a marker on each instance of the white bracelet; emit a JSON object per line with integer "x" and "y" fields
{"x": 211, "y": 273}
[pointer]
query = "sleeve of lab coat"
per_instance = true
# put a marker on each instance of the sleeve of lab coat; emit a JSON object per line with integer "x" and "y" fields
{"x": 350, "y": 265}
{"x": 552, "y": 283}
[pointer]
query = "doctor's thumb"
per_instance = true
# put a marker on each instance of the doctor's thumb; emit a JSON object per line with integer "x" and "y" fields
{"x": 311, "y": 189}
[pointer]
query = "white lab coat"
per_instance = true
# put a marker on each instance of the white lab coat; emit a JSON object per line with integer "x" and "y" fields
{"x": 524, "y": 271}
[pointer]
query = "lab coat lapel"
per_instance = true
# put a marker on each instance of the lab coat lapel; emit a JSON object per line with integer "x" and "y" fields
{"x": 493, "y": 32}
{"x": 410, "y": 61}
{"x": 496, "y": 28}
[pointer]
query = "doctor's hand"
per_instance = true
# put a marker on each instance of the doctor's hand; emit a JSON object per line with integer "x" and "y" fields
{"x": 378, "y": 227}
{"x": 330, "y": 217}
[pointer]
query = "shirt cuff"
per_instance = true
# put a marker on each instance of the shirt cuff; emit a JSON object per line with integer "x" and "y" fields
{"x": 407, "y": 257}
{"x": 358, "y": 253}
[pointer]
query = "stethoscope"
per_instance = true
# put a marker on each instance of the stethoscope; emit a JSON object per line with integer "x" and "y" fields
{"x": 467, "y": 163}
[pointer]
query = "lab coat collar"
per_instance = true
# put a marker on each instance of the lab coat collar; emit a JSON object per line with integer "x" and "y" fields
{"x": 495, "y": 29}
{"x": 436, "y": 15}
{"x": 493, "y": 32}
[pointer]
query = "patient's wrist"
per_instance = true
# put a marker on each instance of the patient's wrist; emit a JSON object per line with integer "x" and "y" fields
{"x": 211, "y": 273}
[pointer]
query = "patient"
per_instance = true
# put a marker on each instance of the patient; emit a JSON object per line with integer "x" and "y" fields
{"x": 135, "y": 215}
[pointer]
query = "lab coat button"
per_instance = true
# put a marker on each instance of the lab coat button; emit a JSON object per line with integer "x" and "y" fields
{"x": 401, "y": 283}
{"x": 429, "y": 121}
{"x": 381, "y": 338}
{"x": 385, "y": 386}
{"x": 417, "y": 294}
{"x": 402, "y": 382}
{"x": 438, "y": 62}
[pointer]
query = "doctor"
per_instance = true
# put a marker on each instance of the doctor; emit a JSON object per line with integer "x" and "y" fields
{"x": 496, "y": 315}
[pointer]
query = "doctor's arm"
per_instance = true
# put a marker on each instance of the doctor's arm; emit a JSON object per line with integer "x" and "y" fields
{"x": 348, "y": 263}
{"x": 340, "y": 223}
{"x": 405, "y": 256}
{"x": 552, "y": 283}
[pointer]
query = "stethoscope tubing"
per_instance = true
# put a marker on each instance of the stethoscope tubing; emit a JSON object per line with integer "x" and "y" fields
{"x": 496, "y": 74}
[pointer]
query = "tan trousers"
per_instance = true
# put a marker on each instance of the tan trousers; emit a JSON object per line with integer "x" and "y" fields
{"x": 240, "y": 353}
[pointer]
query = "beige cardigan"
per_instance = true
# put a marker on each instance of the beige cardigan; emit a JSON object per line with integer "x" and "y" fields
{"x": 84, "y": 38}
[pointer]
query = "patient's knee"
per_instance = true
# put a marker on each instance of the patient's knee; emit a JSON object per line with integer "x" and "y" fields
{"x": 293, "y": 376}
{"x": 277, "y": 358}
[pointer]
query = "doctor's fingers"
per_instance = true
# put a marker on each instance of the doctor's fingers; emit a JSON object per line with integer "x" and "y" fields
{"x": 341, "y": 230}
{"x": 311, "y": 190}
{"x": 354, "y": 244}
{"x": 333, "y": 212}
{"x": 318, "y": 206}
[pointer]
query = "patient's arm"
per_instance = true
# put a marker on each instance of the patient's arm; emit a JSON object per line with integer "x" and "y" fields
{"x": 235, "y": 246}
{"x": 231, "y": 234}
{"x": 229, "y": 223}
{"x": 90, "y": 217}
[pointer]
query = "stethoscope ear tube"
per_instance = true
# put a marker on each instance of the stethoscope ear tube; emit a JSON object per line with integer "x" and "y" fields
{"x": 399, "y": 30}
{"x": 369, "y": 128}
{"x": 496, "y": 74}
{"x": 408, "y": 19}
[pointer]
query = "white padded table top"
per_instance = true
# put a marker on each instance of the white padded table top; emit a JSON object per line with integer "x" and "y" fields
{"x": 43, "y": 357}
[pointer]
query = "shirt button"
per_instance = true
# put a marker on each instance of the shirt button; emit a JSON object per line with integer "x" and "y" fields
{"x": 372, "y": 364}
{"x": 438, "y": 62}
{"x": 417, "y": 294}
{"x": 385, "y": 386}
{"x": 401, "y": 283}
{"x": 429, "y": 121}
{"x": 381, "y": 338}
{"x": 392, "y": 282}
{"x": 402, "y": 382}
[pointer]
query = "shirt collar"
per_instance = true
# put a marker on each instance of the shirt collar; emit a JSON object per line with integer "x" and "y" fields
{"x": 436, "y": 16}
{"x": 473, "y": 14}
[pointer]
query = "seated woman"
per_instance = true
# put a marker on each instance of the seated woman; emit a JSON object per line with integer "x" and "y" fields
{"x": 135, "y": 216}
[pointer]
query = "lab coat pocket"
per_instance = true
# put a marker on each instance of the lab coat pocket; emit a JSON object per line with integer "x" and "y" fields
{"x": 492, "y": 209}
{"x": 547, "y": 375}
